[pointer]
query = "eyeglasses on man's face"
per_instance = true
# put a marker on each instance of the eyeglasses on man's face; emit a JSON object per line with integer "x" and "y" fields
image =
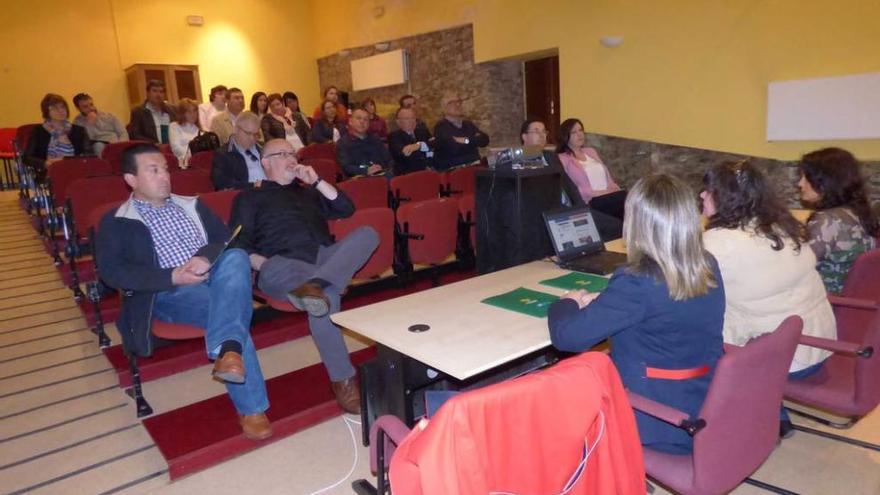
{"x": 539, "y": 132}
{"x": 282, "y": 154}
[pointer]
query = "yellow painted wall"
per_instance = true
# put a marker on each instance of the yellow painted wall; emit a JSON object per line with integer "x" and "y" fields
{"x": 259, "y": 45}
{"x": 49, "y": 46}
{"x": 690, "y": 72}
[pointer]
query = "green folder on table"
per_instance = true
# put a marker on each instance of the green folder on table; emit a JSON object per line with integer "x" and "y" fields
{"x": 578, "y": 281}
{"x": 522, "y": 300}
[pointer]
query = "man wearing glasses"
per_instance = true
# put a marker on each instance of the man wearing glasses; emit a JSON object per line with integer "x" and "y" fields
{"x": 291, "y": 248}
{"x": 238, "y": 167}
{"x": 457, "y": 140}
{"x": 411, "y": 146}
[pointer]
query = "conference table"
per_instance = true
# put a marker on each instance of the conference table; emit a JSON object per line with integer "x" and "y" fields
{"x": 445, "y": 338}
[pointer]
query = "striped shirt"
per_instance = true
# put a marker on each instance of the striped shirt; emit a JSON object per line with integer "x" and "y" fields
{"x": 176, "y": 236}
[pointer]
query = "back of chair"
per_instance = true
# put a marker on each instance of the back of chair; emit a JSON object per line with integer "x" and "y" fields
{"x": 325, "y": 168}
{"x": 23, "y": 135}
{"x": 87, "y": 194}
{"x": 417, "y": 186}
{"x": 742, "y": 409}
{"x": 862, "y": 280}
{"x": 220, "y": 202}
{"x": 437, "y": 221}
{"x": 317, "y": 150}
{"x": 202, "y": 161}
{"x": 191, "y": 182}
{"x": 113, "y": 153}
{"x": 64, "y": 172}
{"x": 172, "y": 161}
{"x": 382, "y": 221}
{"x": 366, "y": 192}
{"x": 462, "y": 180}
{"x": 527, "y": 435}
{"x": 7, "y": 135}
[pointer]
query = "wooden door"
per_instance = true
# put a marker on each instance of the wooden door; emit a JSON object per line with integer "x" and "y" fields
{"x": 542, "y": 93}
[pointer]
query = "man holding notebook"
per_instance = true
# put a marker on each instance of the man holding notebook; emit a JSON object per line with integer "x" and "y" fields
{"x": 284, "y": 229}
{"x": 165, "y": 253}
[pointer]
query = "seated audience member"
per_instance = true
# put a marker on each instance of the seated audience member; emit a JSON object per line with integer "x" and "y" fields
{"x": 278, "y": 124}
{"x": 362, "y": 153}
{"x": 331, "y": 94}
{"x": 157, "y": 248}
{"x": 223, "y": 124}
{"x": 329, "y": 128}
{"x": 663, "y": 312}
{"x": 586, "y": 170}
{"x": 291, "y": 101}
{"x": 184, "y": 129}
{"x": 410, "y": 146}
{"x": 284, "y": 230}
{"x": 411, "y": 102}
{"x": 238, "y": 166}
{"x": 56, "y": 138}
{"x": 150, "y": 121}
{"x": 102, "y": 127}
{"x": 259, "y": 104}
{"x": 377, "y": 124}
{"x": 216, "y": 103}
{"x": 769, "y": 273}
{"x": 534, "y": 133}
{"x": 843, "y": 226}
{"x": 458, "y": 141}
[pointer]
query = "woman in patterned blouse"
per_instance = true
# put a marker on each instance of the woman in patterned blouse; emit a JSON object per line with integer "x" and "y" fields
{"x": 843, "y": 226}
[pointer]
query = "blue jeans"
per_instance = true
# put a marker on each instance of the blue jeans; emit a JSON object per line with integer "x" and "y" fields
{"x": 222, "y": 306}
{"x": 799, "y": 375}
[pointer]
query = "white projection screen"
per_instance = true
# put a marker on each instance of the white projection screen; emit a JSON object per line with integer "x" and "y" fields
{"x": 386, "y": 69}
{"x": 844, "y": 107}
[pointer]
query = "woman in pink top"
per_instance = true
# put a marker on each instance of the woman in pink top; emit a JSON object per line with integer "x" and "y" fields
{"x": 582, "y": 163}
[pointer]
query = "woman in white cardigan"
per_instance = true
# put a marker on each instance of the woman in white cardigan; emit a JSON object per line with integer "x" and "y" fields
{"x": 181, "y": 132}
{"x": 768, "y": 270}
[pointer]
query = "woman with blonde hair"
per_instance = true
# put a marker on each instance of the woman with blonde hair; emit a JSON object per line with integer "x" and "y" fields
{"x": 663, "y": 310}
{"x": 184, "y": 130}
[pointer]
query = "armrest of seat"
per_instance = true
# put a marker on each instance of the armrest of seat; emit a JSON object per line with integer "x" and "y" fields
{"x": 851, "y": 302}
{"x": 837, "y": 346}
{"x": 666, "y": 413}
{"x": 393, "y": 431}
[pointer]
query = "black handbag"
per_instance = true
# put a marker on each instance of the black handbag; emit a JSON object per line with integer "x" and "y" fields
{"x": 205, "y": 141}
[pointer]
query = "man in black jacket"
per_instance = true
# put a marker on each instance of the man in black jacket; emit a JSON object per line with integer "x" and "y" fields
{"x": 458, "y": 141}
{"x": 361, "y": 153}
{"x": 284, "y": 229}
{"x": 157, "y": 248}
{"x": 150, "y": 121}
{"x": 238, "y": 166}
{"x": 410, "y": 145}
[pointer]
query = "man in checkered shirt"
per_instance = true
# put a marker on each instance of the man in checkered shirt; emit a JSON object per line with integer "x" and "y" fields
{"x": 158, "y": 248}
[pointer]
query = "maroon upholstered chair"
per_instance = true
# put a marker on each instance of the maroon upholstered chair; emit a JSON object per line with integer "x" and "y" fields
{"x": 220, "y": 202}
{"x": 113, "y": 153}
{"x": 191, "y": 182}
{"x": 317, "y": 150}
{"x": 427, "y": 230}
{"x": 848, "y": 384}
{"x": 366, "y": 192}
{"x": 326, "y": 169}
{"x": 738, "y": 425}
{"x": 202, "y": 160}
{"x": 417, "y": 186}
{"x": 382, "y": 221}
{"x": 461, "y": 180}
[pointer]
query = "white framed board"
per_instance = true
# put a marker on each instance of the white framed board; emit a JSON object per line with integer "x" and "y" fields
{"x": 385, "y": 69}
{"x": 842, "y": 107}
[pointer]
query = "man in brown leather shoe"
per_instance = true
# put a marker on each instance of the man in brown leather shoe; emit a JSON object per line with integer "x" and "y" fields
{"x": 158, "y": 248}
{"x": 284, "y": 230}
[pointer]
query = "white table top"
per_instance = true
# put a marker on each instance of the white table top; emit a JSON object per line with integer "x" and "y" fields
{"x": 466, "y": 336}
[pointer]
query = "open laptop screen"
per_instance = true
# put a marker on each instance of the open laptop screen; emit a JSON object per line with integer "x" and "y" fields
{"x": 573, "y": 232}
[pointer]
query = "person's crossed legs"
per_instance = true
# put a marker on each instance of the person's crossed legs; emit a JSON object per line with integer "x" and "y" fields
{"x": 222, "y": 306}
{"x": 319, "y": 287}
